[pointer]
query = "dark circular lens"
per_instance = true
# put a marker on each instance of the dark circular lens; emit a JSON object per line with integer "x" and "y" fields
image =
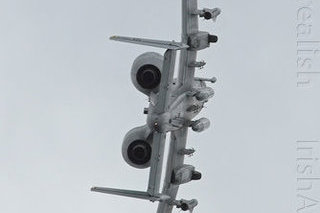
{"x": 207, "y": 15}
{"x": 196, "y": 175}
{"x": 139, "y": 152}
{"x": 184, "y": 207}
{"x": 149, "y": 76}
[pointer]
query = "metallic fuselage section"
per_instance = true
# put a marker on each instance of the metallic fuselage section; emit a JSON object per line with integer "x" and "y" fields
{"x": 182, "y": 109}
{"x": 173, "y": 104}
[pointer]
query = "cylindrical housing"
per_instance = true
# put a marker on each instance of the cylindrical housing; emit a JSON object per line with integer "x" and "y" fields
{"x": 137, "y": 147}
{"x": 200, "y": 125}
{"x": 204, "y": 94}
{"x": 146, "y": 72}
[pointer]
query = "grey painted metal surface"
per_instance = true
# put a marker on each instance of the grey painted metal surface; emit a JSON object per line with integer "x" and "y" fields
{"x": 161, "y": 107}
{"x": 173, "y": 104}
{"x": 185, "y": 79}
{"x": 171, "y": 45}
{"x": 131, "y": 193}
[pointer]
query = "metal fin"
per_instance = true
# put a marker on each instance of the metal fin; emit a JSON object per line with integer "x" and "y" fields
{"x": 130, "y": 193}
{"x": 171, "y": 45}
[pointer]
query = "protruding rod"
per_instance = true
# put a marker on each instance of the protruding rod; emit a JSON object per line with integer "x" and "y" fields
{"x": 212, "y": 80}
{"x": 188, "y": 152}
{"x": 208, "y": 14}
{"x": 197, "y": 64}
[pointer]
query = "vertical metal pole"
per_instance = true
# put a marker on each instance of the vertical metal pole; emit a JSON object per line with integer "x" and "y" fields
{"x": 185, "y": 79}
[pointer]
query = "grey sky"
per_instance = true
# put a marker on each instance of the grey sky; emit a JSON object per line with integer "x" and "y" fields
{"x": 66, "y": 101}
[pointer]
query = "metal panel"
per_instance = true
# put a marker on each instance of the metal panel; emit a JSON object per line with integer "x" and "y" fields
{"x": 160, "y": 108}
{"x": 171, "y": 45}
{"x": 185, "y": 79}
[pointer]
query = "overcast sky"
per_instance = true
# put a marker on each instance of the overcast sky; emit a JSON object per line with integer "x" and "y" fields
{"x": 66, "y": 102}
